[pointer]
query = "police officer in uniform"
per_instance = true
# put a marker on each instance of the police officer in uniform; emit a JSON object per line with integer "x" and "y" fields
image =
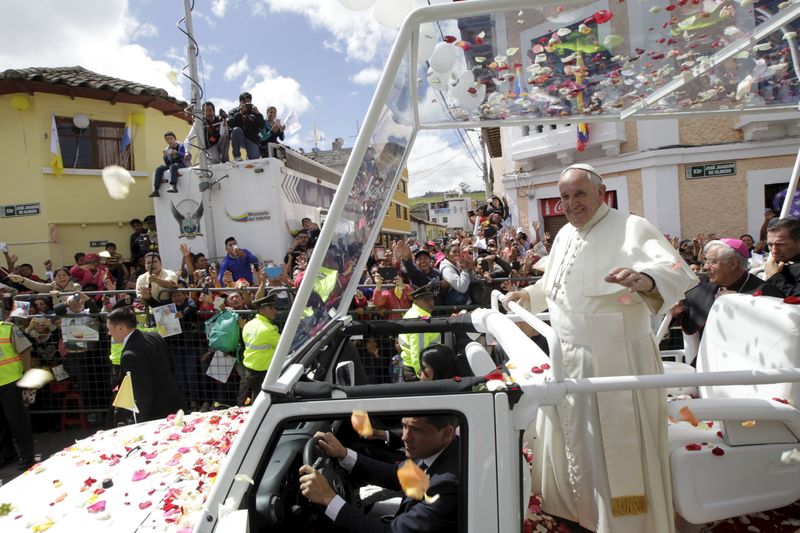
{"x": 260, "y": 336}
{"x": 411, "y": 344}
{"x": 15, "y": 359}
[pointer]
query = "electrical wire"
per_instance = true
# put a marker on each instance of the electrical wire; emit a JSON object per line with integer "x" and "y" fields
{"x": 471, "y": 150}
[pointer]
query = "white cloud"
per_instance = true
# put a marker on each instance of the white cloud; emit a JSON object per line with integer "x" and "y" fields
{"x": 367, "y": 76}
{"x": 218, "y": 7}
{"x": 95, "y": 35}
{"x": 272, "y": 89}
{"x": 356, "y": 31}
{"x": 236, "y": 69}
{"x": 439, "y": 162}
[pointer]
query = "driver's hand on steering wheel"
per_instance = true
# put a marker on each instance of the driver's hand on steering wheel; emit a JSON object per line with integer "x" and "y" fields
{"x": 329, "y": 444}
{"x": 315, "y": 487}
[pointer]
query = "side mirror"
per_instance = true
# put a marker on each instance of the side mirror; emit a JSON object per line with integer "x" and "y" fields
{"x": 345, "y": 374}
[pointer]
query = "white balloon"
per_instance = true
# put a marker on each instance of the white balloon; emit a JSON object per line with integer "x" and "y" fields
{"x": 464, "y": 81}
{"x": 438, "y": 81}
{"x": 471, "y": 102}
{"x": 443, "y": 58}
{"x": 428, "y": 37}
{"x": 357, "y": 5}
{"x": 80, "y": 121}
{"x": 391, "y": 13}
{"x": 118, "y": 182}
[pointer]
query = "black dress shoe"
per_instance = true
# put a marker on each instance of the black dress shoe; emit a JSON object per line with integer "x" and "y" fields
{"x": 154, "y": 194}
{"x": 174, "y": 188}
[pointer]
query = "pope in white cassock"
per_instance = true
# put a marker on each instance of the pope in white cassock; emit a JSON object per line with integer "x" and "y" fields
{"x": 601, "y": 459}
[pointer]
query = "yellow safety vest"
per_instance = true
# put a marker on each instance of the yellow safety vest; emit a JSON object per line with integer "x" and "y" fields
{"x": 116, "y": 352}
{"x": 411, "y": 344}
{"x": 10, "y": 361}
{"x": 324, "y": 286}
{"x": 260, "y": 338}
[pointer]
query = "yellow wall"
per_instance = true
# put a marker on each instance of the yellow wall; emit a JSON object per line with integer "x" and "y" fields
{"x": 77, "y": 205}
{"x": 709, "y": 130}
{"x": 391, "y": 223}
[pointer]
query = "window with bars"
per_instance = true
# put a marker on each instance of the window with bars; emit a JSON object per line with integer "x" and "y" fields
{"x": 405, "y": 213}
{"x": 397, "y": 210}
{"x": 94, "y": 147}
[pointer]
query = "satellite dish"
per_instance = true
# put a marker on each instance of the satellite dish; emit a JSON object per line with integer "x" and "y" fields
{"x": 80, "y": 121}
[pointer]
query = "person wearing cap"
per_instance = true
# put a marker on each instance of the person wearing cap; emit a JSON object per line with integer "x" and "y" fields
{"x": 260, "y": 336}
{"x": 727, "y": 263}
{"x": 606, "y": 274}
{"x": 420, "y": 270}
{"x": 15, "y": 360}
{"x": 412, "y": 344}
{"x": 782, "y": 268}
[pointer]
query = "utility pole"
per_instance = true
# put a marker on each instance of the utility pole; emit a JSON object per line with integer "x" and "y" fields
{"x": 196, "y": 106}
{"x": 486, "y": 184}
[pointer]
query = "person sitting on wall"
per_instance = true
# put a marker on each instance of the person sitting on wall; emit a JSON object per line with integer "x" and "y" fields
{"x": 245, "y": 123}
{"x": 174, "y": 158}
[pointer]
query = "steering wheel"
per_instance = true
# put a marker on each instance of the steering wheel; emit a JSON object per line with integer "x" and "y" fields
{"x": 335, "y": 474}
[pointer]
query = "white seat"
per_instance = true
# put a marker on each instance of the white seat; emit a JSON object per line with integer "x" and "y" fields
{"x": 746, "y": 474}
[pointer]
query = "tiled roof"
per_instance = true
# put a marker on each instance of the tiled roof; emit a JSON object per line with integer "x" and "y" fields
{"x": 81, "y": 78}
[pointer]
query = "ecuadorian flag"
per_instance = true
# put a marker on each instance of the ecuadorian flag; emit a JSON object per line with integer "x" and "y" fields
{"x": 55, "y": 149}
{"x": 583, "y": 136}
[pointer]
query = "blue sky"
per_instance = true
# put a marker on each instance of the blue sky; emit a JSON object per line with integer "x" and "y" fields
{"x": 311, "y": 55}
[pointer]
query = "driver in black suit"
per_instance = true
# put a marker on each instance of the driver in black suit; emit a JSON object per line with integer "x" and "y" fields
{"x": 429, "y": 441}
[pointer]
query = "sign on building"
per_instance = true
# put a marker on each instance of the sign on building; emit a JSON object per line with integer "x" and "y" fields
{"x": 21, "y": 210}
{"x": 97, "y": 244}
{"x": 711, "y": 170}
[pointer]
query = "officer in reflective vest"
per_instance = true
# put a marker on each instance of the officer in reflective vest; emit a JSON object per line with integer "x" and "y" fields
{"x": 411, "y": 344}
{"x": 15, "y": 359}
{"x": 260, "y": 336}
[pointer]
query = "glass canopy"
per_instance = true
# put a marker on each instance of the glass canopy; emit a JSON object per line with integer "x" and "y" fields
{"x": 506, "y": 62}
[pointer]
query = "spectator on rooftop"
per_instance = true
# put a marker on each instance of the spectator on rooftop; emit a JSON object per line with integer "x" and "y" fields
{"x": 174, "y": 158}
{"x": 272, "y": 132}
{"x": 245, "y": 123}
{"x": 215, "y": 129}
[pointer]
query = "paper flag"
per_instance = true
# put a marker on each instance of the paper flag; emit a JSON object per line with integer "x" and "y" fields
{"x": 124, "y": 398}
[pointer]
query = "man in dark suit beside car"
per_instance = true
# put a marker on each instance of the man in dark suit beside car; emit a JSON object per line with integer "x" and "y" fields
{"x": 146, "y": 356}
{"x": 432, "y": 443}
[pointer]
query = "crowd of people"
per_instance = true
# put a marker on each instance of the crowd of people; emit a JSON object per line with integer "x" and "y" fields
{"x": 410, "y": 278}
{"x": 242, "y": 128}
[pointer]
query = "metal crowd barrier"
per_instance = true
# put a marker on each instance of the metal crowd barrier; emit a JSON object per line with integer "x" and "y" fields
{"x": 85, "y": 376}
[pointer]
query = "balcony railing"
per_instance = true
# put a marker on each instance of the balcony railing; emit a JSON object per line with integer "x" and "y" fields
{"x": 538, "y": 141}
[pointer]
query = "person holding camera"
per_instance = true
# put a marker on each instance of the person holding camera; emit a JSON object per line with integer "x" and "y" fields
{"x": 174, "y": 158}
{"x": 272, "y": 132}
{"x": 245, "y": 124}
